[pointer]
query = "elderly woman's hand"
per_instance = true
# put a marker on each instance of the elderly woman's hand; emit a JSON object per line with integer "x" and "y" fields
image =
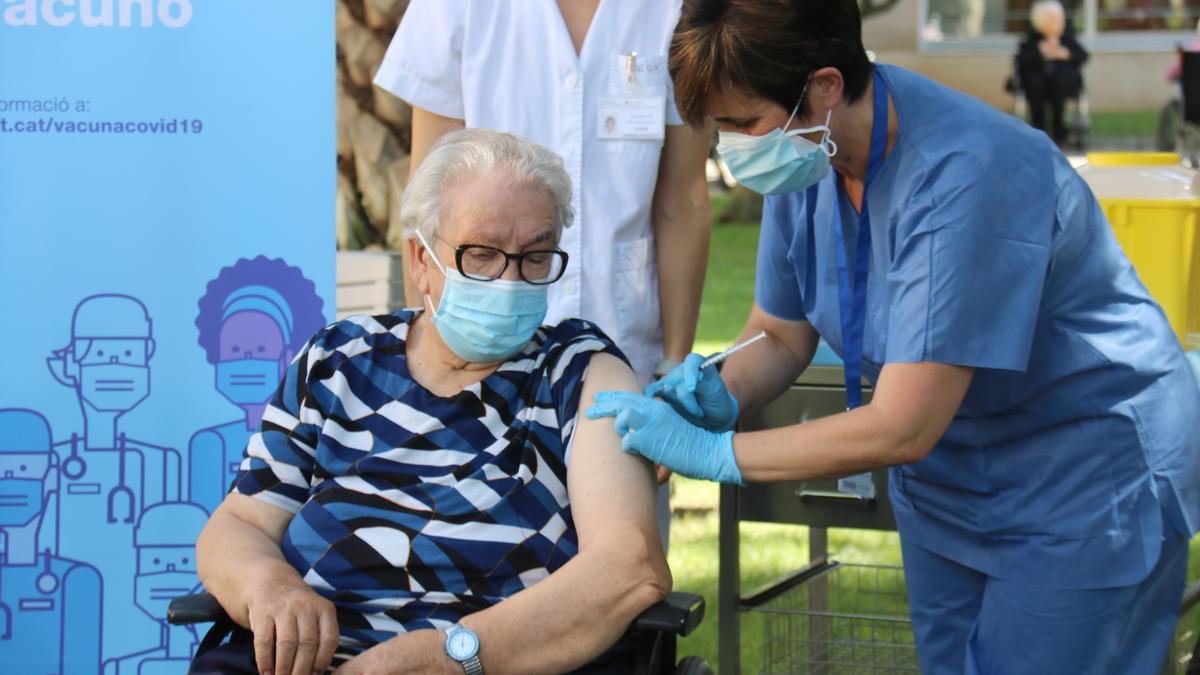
{"x": 1053, "y": 50}
{"x": 295, "y": 630}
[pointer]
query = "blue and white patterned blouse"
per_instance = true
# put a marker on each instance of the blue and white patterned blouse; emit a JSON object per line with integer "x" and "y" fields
{"x": 414, "y": 510}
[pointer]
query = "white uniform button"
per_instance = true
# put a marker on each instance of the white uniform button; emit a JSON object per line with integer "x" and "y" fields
{"x": 571, "y": 81}
{"x": 571, "y": 288}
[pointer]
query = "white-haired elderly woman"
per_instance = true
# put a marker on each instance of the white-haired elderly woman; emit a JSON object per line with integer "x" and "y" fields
{"x": 423, "y": 495}
{"x": 1050, "y": 65}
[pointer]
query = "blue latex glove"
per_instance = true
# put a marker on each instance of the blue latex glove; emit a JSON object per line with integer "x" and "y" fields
{"x": 651, "y": 428}
{"x": 698, "y": 395}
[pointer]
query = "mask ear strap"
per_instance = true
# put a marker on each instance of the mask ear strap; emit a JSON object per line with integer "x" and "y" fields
{"x": 438, "y": 263}
{"x": 429, "y": 250}
{"x": 803, "y": 93}
{"x": 832, "y": 148}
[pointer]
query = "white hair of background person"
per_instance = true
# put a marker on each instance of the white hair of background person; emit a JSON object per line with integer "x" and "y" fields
{"x": 1043, "y": 10}
{"x": 475, "y": 152}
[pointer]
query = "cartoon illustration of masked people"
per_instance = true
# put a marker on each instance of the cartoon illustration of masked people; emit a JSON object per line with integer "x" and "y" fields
{"x": 165, "y": 539}
{"x": 105, "y": 477}
{"x": 40, "y": 593}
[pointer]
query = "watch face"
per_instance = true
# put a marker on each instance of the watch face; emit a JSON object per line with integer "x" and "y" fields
{"x": 461, "y": 644}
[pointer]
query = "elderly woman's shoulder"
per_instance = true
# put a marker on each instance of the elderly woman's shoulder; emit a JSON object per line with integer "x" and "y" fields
{"x": 367, "y": 330}
{"x": 578, "y": 335}
{"x": 569, "y": 330}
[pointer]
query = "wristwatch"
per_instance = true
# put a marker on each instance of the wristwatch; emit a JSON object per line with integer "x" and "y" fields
{"x": 462, "y": 645}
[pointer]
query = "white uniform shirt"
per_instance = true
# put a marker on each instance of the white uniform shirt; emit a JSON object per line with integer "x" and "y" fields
{"x": 511, "y": 66}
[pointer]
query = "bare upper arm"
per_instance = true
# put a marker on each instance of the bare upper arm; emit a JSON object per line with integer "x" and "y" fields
{"x": 272, "y": 520}
{"x": 608, "y": 487}
{"x": 427, "y": 128}
{"x": 682, "y": 182}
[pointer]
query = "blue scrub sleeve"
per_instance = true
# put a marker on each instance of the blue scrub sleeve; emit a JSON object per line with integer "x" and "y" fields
{"x": 971, "y": 259}
{"x": 776, "y": 280}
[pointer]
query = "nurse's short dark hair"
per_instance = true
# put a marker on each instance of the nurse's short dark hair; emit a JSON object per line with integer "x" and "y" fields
{"x": 764, "y": 48}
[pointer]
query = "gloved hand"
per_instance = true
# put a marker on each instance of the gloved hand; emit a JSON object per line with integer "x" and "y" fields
{"x": 651, "y": 428}
{"x": 698, "y": 395}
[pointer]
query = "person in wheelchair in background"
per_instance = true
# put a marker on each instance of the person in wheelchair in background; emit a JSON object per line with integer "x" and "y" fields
{"x": 1049, "y": 67}
{"x": 423, "y": 495}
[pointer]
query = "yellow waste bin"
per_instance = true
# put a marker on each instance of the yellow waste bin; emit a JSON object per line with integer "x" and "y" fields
{"x": 1153, "y": 204}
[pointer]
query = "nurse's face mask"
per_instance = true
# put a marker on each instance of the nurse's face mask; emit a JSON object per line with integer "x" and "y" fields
{"x": 780, "y": 161}
{"x": 485, "y": 321}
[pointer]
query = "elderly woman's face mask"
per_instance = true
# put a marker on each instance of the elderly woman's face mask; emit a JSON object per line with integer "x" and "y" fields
{"x": 484, "y": 321}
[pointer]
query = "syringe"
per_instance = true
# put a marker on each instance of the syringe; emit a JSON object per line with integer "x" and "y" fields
{"x": 717, "y": 358}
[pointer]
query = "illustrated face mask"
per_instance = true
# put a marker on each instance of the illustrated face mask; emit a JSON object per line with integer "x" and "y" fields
{"x": 114, "y": 387}
{"x": 248, "y": 381}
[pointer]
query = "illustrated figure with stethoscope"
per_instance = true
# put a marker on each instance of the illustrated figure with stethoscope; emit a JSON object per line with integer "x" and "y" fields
{"x": 165, "y": 540}
{"x": 1035, "y": 408}
{"x": 40, "y": 592}
{"x": 105, "y": 479}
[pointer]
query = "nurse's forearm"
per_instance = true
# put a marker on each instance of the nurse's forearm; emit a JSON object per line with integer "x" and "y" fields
{"x": 681, "y": 235}
{"x": 913, "y": 406}
{"x": 758, "y": 374}
{"x": 830, "y": 447}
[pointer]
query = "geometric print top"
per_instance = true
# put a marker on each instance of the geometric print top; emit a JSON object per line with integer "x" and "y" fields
{"x": 414, "y": 510}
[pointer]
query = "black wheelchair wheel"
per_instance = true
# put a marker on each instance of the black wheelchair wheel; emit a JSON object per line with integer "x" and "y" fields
{"x": 693, "y": 665}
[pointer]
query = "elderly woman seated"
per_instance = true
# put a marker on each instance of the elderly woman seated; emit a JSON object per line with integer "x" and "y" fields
{"x": 1050, "y": 65}
{"x": 424, "y": 494}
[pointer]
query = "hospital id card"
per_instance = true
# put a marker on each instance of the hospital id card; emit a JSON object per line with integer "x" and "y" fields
{"x": 632, "y": 118}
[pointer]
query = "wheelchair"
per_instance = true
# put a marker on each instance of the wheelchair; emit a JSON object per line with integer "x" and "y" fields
{"x": 656, "y": 630}
{"x": 1077, "y": 115}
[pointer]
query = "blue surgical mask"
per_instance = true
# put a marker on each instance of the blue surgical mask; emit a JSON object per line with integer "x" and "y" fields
{"x": 485, "y": 321}
{"x": 114, "y": 387}
{"x": 780, "y": 161}
{"x": 153, "y": 592}
{"x": 248, "y": 381}
{"x": 20, "y": 501}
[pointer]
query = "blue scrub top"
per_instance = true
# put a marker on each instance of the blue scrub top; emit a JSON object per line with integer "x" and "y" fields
{"x": 1077, "y": 447}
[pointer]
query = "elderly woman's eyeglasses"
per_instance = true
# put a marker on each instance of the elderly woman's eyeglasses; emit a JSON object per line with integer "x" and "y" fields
{"x": 485, "y": 263}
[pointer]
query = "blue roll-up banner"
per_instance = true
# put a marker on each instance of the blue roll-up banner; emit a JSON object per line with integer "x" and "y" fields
{"x": 166, "y": 247}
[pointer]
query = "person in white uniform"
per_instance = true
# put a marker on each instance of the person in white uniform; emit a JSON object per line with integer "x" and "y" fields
{"x": 587, "y": 79}
{"x": 556, "y": 73}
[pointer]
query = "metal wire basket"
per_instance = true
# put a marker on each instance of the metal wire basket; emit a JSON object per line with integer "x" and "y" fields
{"x": 847, "y": 619}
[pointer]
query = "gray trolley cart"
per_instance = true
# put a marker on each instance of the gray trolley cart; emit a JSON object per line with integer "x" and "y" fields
{"x": 827, "y": 617}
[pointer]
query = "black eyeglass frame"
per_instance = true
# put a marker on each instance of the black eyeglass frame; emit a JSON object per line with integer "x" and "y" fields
{"x": 508, "y": 258}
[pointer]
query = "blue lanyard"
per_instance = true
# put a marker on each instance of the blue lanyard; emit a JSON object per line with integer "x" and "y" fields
{"x": 852, "y": 298}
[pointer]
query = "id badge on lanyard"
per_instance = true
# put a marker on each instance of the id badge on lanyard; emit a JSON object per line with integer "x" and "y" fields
{"x": 852, "y": 295}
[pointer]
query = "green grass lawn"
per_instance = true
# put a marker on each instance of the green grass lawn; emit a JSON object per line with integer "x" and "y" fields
{"x": 1142, "y": 123}
{"x": 767, "y": 551}
{"x": 729, "y": 285}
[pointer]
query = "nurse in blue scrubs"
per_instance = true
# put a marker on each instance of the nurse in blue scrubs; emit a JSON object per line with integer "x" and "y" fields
{"x": 1041, "y": 422}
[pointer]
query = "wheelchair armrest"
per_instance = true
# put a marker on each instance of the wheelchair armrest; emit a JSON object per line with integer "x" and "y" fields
{"x": 677, "y": 614}
{"x": 198, "y": 608}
